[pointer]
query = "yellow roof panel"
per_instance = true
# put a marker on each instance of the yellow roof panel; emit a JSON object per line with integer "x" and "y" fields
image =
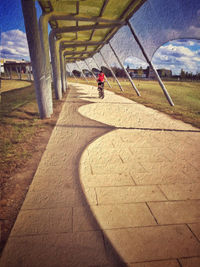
{"x": 86, "y": 22}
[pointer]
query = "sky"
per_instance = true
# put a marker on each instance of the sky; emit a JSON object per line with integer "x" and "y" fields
{"x": 177, "y": 54}
{"x": 174, "y": 55}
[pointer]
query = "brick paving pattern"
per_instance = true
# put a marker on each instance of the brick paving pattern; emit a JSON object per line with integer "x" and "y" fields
{"x": 118, "y": 185}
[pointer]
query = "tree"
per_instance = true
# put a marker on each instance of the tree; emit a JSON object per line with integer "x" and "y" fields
{"x": 182, "y": 74}
{"x": 106, "y": 71}
{"x": 119, "y": 72}
{"x": 77, "y": 73}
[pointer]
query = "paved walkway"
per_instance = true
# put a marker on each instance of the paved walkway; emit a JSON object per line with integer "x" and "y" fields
{"x": 139, "y": 171}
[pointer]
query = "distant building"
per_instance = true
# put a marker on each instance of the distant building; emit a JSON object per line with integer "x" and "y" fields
{"x": 17, "y": 66}
{"x": 10, "y": 66}
{"x": 138, "y": 73}
{"x": 149, "y": 73}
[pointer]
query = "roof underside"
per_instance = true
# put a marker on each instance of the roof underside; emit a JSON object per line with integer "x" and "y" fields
{"x": 84, "y": 26}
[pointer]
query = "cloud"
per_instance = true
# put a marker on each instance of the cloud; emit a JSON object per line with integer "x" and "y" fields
{"x": 174, "y": 55}
{"x": 134, "y": 62}
{"x": 177, "y": 55}
{"x": 185, "y": 42}
{"x": 14, "y": 45}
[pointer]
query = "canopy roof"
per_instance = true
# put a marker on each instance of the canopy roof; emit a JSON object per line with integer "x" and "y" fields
{"x": 85, "y": 26}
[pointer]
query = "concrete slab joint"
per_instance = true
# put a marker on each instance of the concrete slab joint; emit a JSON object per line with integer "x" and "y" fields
{"x": 110, "y": 190}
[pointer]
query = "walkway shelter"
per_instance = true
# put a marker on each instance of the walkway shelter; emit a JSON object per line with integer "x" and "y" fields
{"x": 79, "y": 29}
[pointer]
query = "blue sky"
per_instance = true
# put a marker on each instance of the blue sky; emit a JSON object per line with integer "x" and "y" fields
{"x": 175, "y": 55}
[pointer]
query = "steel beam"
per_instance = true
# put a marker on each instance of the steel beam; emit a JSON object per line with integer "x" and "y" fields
{"x": 76, "y": 18}
{"x": 129, "y": 7}
{"x": 20, "y": 72}
{"x": 84, "y": 28}
{"x": 79, "y": 44}
{"x": 78, "y": 53}
{"x": 75, "y": 58}
{"x": 127, "y": 74}
{"x": 10, "y": 72}
{"x": 151, "y": 65}
{"x": 100, "y": 14}
{"x": 111, "y": 71}
{"x": 104, "y": 73}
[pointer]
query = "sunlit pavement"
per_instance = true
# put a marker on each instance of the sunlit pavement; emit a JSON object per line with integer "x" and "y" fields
{"x": 118, "y": 183}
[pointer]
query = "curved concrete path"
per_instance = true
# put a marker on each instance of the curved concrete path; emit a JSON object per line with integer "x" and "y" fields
{"x": 139, "y": 171}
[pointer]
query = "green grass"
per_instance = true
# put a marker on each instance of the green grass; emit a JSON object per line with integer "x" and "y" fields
{"x": 16, "y": 98}
{"x": 7, "y": 85}
{"x": 185, "y": 95}
{"x": 19, "y": 123}
{"x": 18, "y": 117}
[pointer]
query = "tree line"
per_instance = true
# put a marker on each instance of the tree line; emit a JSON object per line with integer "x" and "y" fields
{"x": 185, "y": 75}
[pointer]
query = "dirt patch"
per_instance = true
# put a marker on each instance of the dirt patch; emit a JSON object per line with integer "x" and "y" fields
{"x": 14, "y": 188}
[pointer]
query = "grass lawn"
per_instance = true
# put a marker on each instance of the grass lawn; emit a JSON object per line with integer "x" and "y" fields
{"x": 7, "y": 85}
{"x": 19, "y": 122}
{"x": 185, "y": 95}
{"x": 23, "y": 138}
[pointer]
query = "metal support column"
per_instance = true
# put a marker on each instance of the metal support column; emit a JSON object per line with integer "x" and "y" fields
{"x": 29, "y": 73}
{"x": 36, "y": 55}
{"x": 55, "y": 61}
{"x": 104, "y": 74}
{"x": 111, "y": 71}
{"x": 7, "y": 73}
{"x": 43, "y": 30}
{"x": 127, "y": 74}
{"x": 82, "y": 72}
{"x": 63, "y": 81}
{"x": 10, "y": 73}
{"x": 17, "y": 72}
{"x": 151, "y": 65}
{"x": 64, "y": 71}
{"x": 90, "y": 70}
{"x": 20, "y": 72}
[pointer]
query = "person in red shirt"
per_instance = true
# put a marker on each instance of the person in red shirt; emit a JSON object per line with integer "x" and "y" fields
{"x": 100, "y": 81}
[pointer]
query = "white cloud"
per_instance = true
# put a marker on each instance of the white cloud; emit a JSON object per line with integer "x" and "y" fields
{"x": 172, "y": 49}
{"x": 177, "y": 55}
{"x": 186, "y": 42}
{"x": 14, "y": 45}
{"x": 134, "y": 62}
